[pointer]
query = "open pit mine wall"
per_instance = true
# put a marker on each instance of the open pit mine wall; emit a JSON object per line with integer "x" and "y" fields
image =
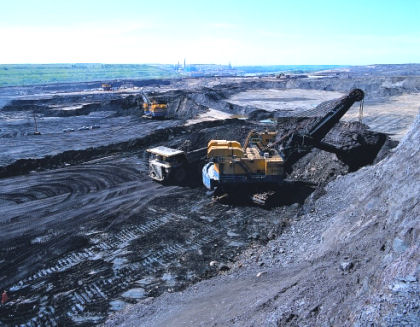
{"x": 181, "y": 104}
{"x": 376, "y": 225}
{"x": 23, "y": 166}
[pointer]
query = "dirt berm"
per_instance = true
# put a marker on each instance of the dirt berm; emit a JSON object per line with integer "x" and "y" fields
{"x": 351, "y": 260}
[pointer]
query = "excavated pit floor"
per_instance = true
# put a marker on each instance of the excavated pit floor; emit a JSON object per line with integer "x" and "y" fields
{"x": 87, "y": 239}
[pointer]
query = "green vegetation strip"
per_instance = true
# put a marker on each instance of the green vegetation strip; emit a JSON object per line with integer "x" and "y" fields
{"x": 19, "y": 75}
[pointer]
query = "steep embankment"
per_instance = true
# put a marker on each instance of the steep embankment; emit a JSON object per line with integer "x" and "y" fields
{"x": 351, "y": 259}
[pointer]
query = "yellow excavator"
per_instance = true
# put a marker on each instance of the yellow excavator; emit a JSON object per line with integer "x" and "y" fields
{"x": 153, "y": 109}
{"x": 259, "y": 166}
{"x": 253, "y": 161}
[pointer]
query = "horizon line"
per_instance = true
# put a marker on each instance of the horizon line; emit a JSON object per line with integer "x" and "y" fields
{"x": 171, "y": 64}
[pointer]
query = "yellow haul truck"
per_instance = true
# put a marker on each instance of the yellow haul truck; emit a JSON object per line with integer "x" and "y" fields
{"x": 167, "y": 165}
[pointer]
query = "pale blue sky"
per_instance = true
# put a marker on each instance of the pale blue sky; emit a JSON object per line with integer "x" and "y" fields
{"x": 242, "y": 32}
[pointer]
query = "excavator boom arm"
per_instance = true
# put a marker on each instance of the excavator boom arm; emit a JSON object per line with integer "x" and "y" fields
{"x": 332, "y": 117}
{"x": 297, "y": 144}
{"x": 145, "y": 98}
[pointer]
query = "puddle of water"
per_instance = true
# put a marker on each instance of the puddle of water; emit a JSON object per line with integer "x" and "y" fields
{"x": 117, "y": 305}
{"x": 268, "y": 122}
{"x": 118, "y": 263}
{"x": 87, "y": 319}
{"x": 169, "y": 279}
{"x": 98, "y": 256}
{"x": 232, "y": 234}
{"x": 135, "y": 293}
{"x": 236, "y": 244}
{"x": 41, "y": 239}
{"x": 17, "y": 287}
{"x": 146, "y": 281}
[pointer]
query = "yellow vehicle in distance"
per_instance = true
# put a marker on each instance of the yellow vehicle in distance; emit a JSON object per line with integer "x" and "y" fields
{"x": 153, "y": 109}
{"x": 106, "y": 87}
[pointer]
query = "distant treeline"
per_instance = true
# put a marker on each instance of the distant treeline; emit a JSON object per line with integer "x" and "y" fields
{"x": 284, "y": 68}
{"x": 35, "y": 74}
{"x": 28, "y": 74}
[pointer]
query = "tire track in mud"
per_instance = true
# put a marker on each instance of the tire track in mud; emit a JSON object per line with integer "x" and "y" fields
{"x": 86, "y": 235}
{"x": 47, "y": 194}
{"x": 104, "y": 198}
{"x": 98, "y": 289}
{"x": 102, "y": 290}
{"x": 74, "y": 181}
{"x": 119, "y": 240}
{"x": 37, "y": 216}
{"x": 165, "y": 245}
{"x": 129, "y": 274}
